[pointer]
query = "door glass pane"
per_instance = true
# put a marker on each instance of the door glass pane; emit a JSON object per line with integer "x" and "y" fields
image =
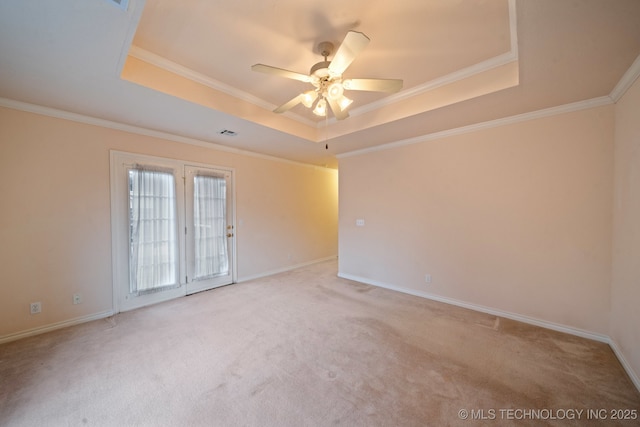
{"x": 210, "y": 221}
{"x": 153, "y": 255}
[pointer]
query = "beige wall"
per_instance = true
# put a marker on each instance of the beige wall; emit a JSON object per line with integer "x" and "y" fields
{"x": 55, "y": 214}
{"x": 625, "y": 295}
{"x": 515, "y": 218}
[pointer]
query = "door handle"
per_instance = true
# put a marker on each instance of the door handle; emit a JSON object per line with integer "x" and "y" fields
{"x": 229, "y": 234}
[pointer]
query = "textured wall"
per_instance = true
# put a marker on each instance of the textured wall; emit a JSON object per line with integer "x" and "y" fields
{"x": 625, "y": 315}
{"x": 55, "y": 223}
{"x": 515, "y": 218}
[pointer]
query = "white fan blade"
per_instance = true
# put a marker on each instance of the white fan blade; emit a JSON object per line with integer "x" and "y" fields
{"x": 337, "y": 111}
{"x": 353, "y": 44}
{"x": 290, "y": 104}
{"x": 280, "y": 72}
{"x": 374, "y": 85}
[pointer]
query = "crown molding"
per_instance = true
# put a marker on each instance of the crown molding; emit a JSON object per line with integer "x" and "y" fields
{"x": 165, "y": 64}
{"x": 458, "y": 75}
{"x": 497, "y": 61}
{"x": 89, "y": 120}
{"x": 626, "y": 81}
{"x": 464, "y": 73}
{"x": 547, "y": 112}
{"x": 188, "y": 73}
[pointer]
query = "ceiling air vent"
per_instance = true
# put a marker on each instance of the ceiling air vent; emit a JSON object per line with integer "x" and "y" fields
{"x": 122, "y": 4}
{"x": 227, "y": 132}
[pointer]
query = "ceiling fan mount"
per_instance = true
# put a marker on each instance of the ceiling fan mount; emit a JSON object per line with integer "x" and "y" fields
{"x": 320, "y": 69}
{"x": 326, "y": 77}
{"x": 325, "y": 49}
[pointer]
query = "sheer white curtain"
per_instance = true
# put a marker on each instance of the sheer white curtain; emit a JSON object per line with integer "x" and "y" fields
{"x": 153, "y": 256}
{"x": 210, "y": 221}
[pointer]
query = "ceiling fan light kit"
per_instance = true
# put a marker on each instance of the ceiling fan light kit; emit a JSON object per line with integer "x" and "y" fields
{"x": 321, "y": 108}
{"x": 326, "y": 77}
{"x": 308, "y": 98}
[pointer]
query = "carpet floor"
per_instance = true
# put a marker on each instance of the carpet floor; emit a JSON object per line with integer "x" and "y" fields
{"x": 306, "y": 348}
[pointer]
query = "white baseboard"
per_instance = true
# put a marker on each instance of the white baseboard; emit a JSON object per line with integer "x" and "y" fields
{"x": 513, "y": 316}
{"x": 525, "y": 319}
{"x": 83, "y": 319}
{"x": 625, "y": 364}
{"x": 285, "y": 269}
{"x": 52, "y": 327}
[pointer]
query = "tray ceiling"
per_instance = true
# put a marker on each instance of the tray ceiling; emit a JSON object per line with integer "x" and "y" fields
{"x": 184, "y": 67}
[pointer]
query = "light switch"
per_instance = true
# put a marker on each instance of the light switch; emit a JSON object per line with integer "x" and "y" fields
{"x": 360, "y": 222}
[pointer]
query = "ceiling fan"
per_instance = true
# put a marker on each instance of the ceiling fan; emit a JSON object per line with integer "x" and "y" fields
{"x": 326, "y": 77}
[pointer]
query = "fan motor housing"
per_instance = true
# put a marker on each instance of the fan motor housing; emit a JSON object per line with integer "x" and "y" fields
{"x": 321, "y": 69}
{"x": 325, "y": 49}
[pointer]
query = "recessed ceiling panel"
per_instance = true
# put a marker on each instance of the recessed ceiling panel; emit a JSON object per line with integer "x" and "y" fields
{"x": 413, "y": 40}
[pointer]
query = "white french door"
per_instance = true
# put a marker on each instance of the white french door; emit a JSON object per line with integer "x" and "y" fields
{"x": 173, "y": 229}
{"x": 210, "y": 230}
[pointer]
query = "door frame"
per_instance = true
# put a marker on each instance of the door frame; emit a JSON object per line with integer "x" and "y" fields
{"x": 119, "y": 160}
{"x": 230, "y": 228}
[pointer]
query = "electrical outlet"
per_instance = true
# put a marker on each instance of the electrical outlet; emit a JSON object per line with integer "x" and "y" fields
{"x": 35, "y": 307}
{"x": 77, "y": 299}
{"x": 427, "y": 278}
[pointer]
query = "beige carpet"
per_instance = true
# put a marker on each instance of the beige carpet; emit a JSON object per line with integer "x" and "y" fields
{"x": 306, "y": 348}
